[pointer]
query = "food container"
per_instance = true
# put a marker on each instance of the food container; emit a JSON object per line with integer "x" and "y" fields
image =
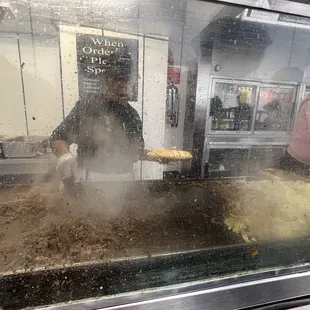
{"x": 24, "y": 146}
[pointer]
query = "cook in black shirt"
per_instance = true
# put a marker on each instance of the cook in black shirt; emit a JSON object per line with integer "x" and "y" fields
{"x": 107, "y": 131}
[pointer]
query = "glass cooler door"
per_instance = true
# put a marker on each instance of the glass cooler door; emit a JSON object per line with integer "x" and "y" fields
{"x": 275, "y": 110}
{"x": 232, "y": 105}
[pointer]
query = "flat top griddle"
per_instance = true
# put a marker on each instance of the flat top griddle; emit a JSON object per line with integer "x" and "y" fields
{"x": 175, "y": 233}
{"x": 42, "y": 228}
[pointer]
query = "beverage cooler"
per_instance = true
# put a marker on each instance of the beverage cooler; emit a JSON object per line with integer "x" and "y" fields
{"x": 248, "y": 125}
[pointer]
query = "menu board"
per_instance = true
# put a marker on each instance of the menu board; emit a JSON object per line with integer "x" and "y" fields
{"x": 98, "y": 56}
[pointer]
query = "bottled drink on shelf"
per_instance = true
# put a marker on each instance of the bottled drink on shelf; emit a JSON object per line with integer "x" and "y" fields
{"x": 215, "y": 124}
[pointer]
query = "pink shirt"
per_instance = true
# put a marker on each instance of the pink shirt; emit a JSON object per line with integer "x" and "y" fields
{"x": 299, "y": 147}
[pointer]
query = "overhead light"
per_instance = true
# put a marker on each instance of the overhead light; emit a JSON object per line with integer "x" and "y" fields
{"x": 279, "y": 19}
{"x": 6, "y": 11}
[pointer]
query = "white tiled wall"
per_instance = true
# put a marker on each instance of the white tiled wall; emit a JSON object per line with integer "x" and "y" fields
{"x": 41, "y": 73}
{"x": 41, "y": 80}
{"x": 12, "y": 114}
{"x": 154, "y": 105}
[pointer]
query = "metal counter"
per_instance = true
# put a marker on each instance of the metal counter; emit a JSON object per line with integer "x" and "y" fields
{"x": 273, "y": 287}
{"x": 217, "y": 278}
{"x": 25, "y": 170}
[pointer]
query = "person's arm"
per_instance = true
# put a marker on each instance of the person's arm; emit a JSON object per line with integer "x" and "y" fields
{"x": 66, "y": 133}
{"x": 61, "y": 138}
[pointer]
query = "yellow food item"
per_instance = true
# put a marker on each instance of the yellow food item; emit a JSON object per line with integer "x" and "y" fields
{"x": 169, "y": 154}
{"x": 270, "y": 209}
{"x": 254, "y": 252}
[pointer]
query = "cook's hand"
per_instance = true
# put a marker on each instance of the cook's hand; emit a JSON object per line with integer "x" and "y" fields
{"x": 67, "y": 166}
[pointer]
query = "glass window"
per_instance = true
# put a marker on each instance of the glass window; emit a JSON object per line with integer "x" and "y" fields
{"x": 275, "y": 108}
{"x": 147, "y": 144}
{"x": 232, "y": 106}
{"x": 264, "y": 158}
{"x": 307, "y": 92}
{"x": 226, "y": 163}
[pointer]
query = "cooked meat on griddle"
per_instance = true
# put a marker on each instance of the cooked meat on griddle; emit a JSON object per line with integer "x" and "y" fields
{"x": 42, "y": 227}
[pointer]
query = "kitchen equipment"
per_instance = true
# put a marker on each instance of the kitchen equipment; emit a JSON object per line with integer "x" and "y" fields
{"x": 172, "y": 105}
{"x": 81, "y": 280}
{"x": 1, "y": 152}
{"x": 24, "y": 146}
{"x": 277, "y": 174}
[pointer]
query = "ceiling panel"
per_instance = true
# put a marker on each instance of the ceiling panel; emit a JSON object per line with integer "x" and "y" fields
{"x": 180, "y": 20}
